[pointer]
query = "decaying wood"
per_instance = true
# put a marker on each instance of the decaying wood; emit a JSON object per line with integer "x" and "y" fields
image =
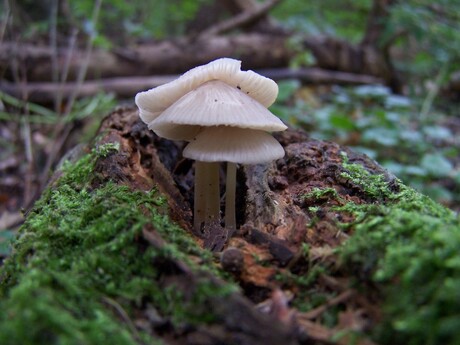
{"x": 258, "y": 51}
{"x": 127, "y": 87}
{"x": 335, "y": 54}
{"x": 272, "y": 219}
{"x": 267, "y": 48}
{"x": 240, "y": 322}
{"x": 45, "y": 92}
{"x": 162, "y": 57}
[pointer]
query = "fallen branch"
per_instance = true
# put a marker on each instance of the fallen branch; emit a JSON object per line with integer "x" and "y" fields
{"x": 123, "y": 87}
{"x": 241, "y": 19}
{"x": 162, "y": 57}
{"x": 318, "y": 311}
{"x": 258, "y": 51}
{"x": 315, "y": 75}
{"x": 129, "y": 86}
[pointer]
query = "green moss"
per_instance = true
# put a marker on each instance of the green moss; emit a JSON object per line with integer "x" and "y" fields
{"x": 78, "y": 250}
{"x": 405, "y": 244}
{"x": 107, "y": 149}
{"x": 374, "y": 186}
{"x": 321, "y": 193}
{"x": 409, "y": 246}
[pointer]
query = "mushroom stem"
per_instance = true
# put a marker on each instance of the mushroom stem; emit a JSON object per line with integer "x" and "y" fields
{"x": 207, "y": 194}
{"x": 200, "y": 195}
{"x": 212, "y": 213}
{"x": 230, "y": 191}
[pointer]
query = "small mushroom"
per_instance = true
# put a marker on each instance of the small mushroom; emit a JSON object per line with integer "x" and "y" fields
{"x": 232, "y": 145}
{"x": 219, "y": 107}
{"x": 153, "y": 102}
{"x": 213, "y": 103}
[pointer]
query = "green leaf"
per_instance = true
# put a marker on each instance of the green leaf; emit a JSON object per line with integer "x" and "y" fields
{"x": 438, "y": 132}
{"x": 457, "y": 178}
{"x": 382, "y": 136}
{"x": 6, "y": 236}
{"x": 342, "y": 122}
{"x": 367, "y": 151}
{"x": 438, "y": 192}
{"x": 372, "y": 91}
{"x": 287, "y": 88}
{"x": 396, "y": 101}
{"x": 415, "y": 170}
{"x": 436, "y": 165}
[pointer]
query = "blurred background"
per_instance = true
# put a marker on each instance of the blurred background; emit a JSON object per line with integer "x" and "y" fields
{"x": 381, "y": 76}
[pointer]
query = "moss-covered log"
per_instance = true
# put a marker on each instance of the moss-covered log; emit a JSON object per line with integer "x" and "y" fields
{"x": 330, "y": 248}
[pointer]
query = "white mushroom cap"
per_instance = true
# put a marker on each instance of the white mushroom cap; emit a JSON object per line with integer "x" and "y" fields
{"x": 213, "y": 103}
{"x": 153, "y": 102}
{"x": 232, "y": 144}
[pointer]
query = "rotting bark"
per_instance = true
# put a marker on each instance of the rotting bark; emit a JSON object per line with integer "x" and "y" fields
{"x": 272, "y": 219}
{"x": 273, "y": 225}
{"x": 290, "y": 222}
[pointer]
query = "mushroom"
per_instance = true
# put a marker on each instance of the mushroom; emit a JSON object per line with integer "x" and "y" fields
{"x": 232, "y": 145}
{"x": 216, "y": 107}
{"x": 153, "y": 102}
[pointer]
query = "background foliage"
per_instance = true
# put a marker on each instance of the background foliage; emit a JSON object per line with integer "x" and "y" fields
{"x": 415, "y": 135}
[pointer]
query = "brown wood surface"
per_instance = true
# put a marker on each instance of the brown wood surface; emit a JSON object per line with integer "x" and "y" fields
{"x": 273, "y": 225}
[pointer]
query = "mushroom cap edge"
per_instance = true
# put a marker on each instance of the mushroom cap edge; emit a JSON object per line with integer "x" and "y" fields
{"x": 153, "y": 102}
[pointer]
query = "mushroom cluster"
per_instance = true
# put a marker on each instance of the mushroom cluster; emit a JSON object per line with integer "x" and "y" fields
{"x": 222, "y": 112}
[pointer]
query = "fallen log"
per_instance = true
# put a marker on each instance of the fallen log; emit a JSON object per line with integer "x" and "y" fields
{"x": 258, "y": 51}
{"x": 127, "y": 87}
{"x": 162, "y": 57}
{"x": 329, "y": 249}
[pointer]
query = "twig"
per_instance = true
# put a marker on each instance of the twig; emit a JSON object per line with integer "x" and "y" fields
{"x": 88, "y": 50}
{"x": 317, "y": 332}
{"x": 314, "y": 313}
{"x": 65, "y": 70}
{"x": 240, "y": 19}
{"x": 29, "y": 192}
{"x": 124, "y": 316}
{"x": 433, "y": 92}
{"x": 62, "y": 128}
{"x": 28, "y": 189}
{"x": 70, "y": 51}
{"x": 53, "y": 45}
{"x": 5, "y": 20}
